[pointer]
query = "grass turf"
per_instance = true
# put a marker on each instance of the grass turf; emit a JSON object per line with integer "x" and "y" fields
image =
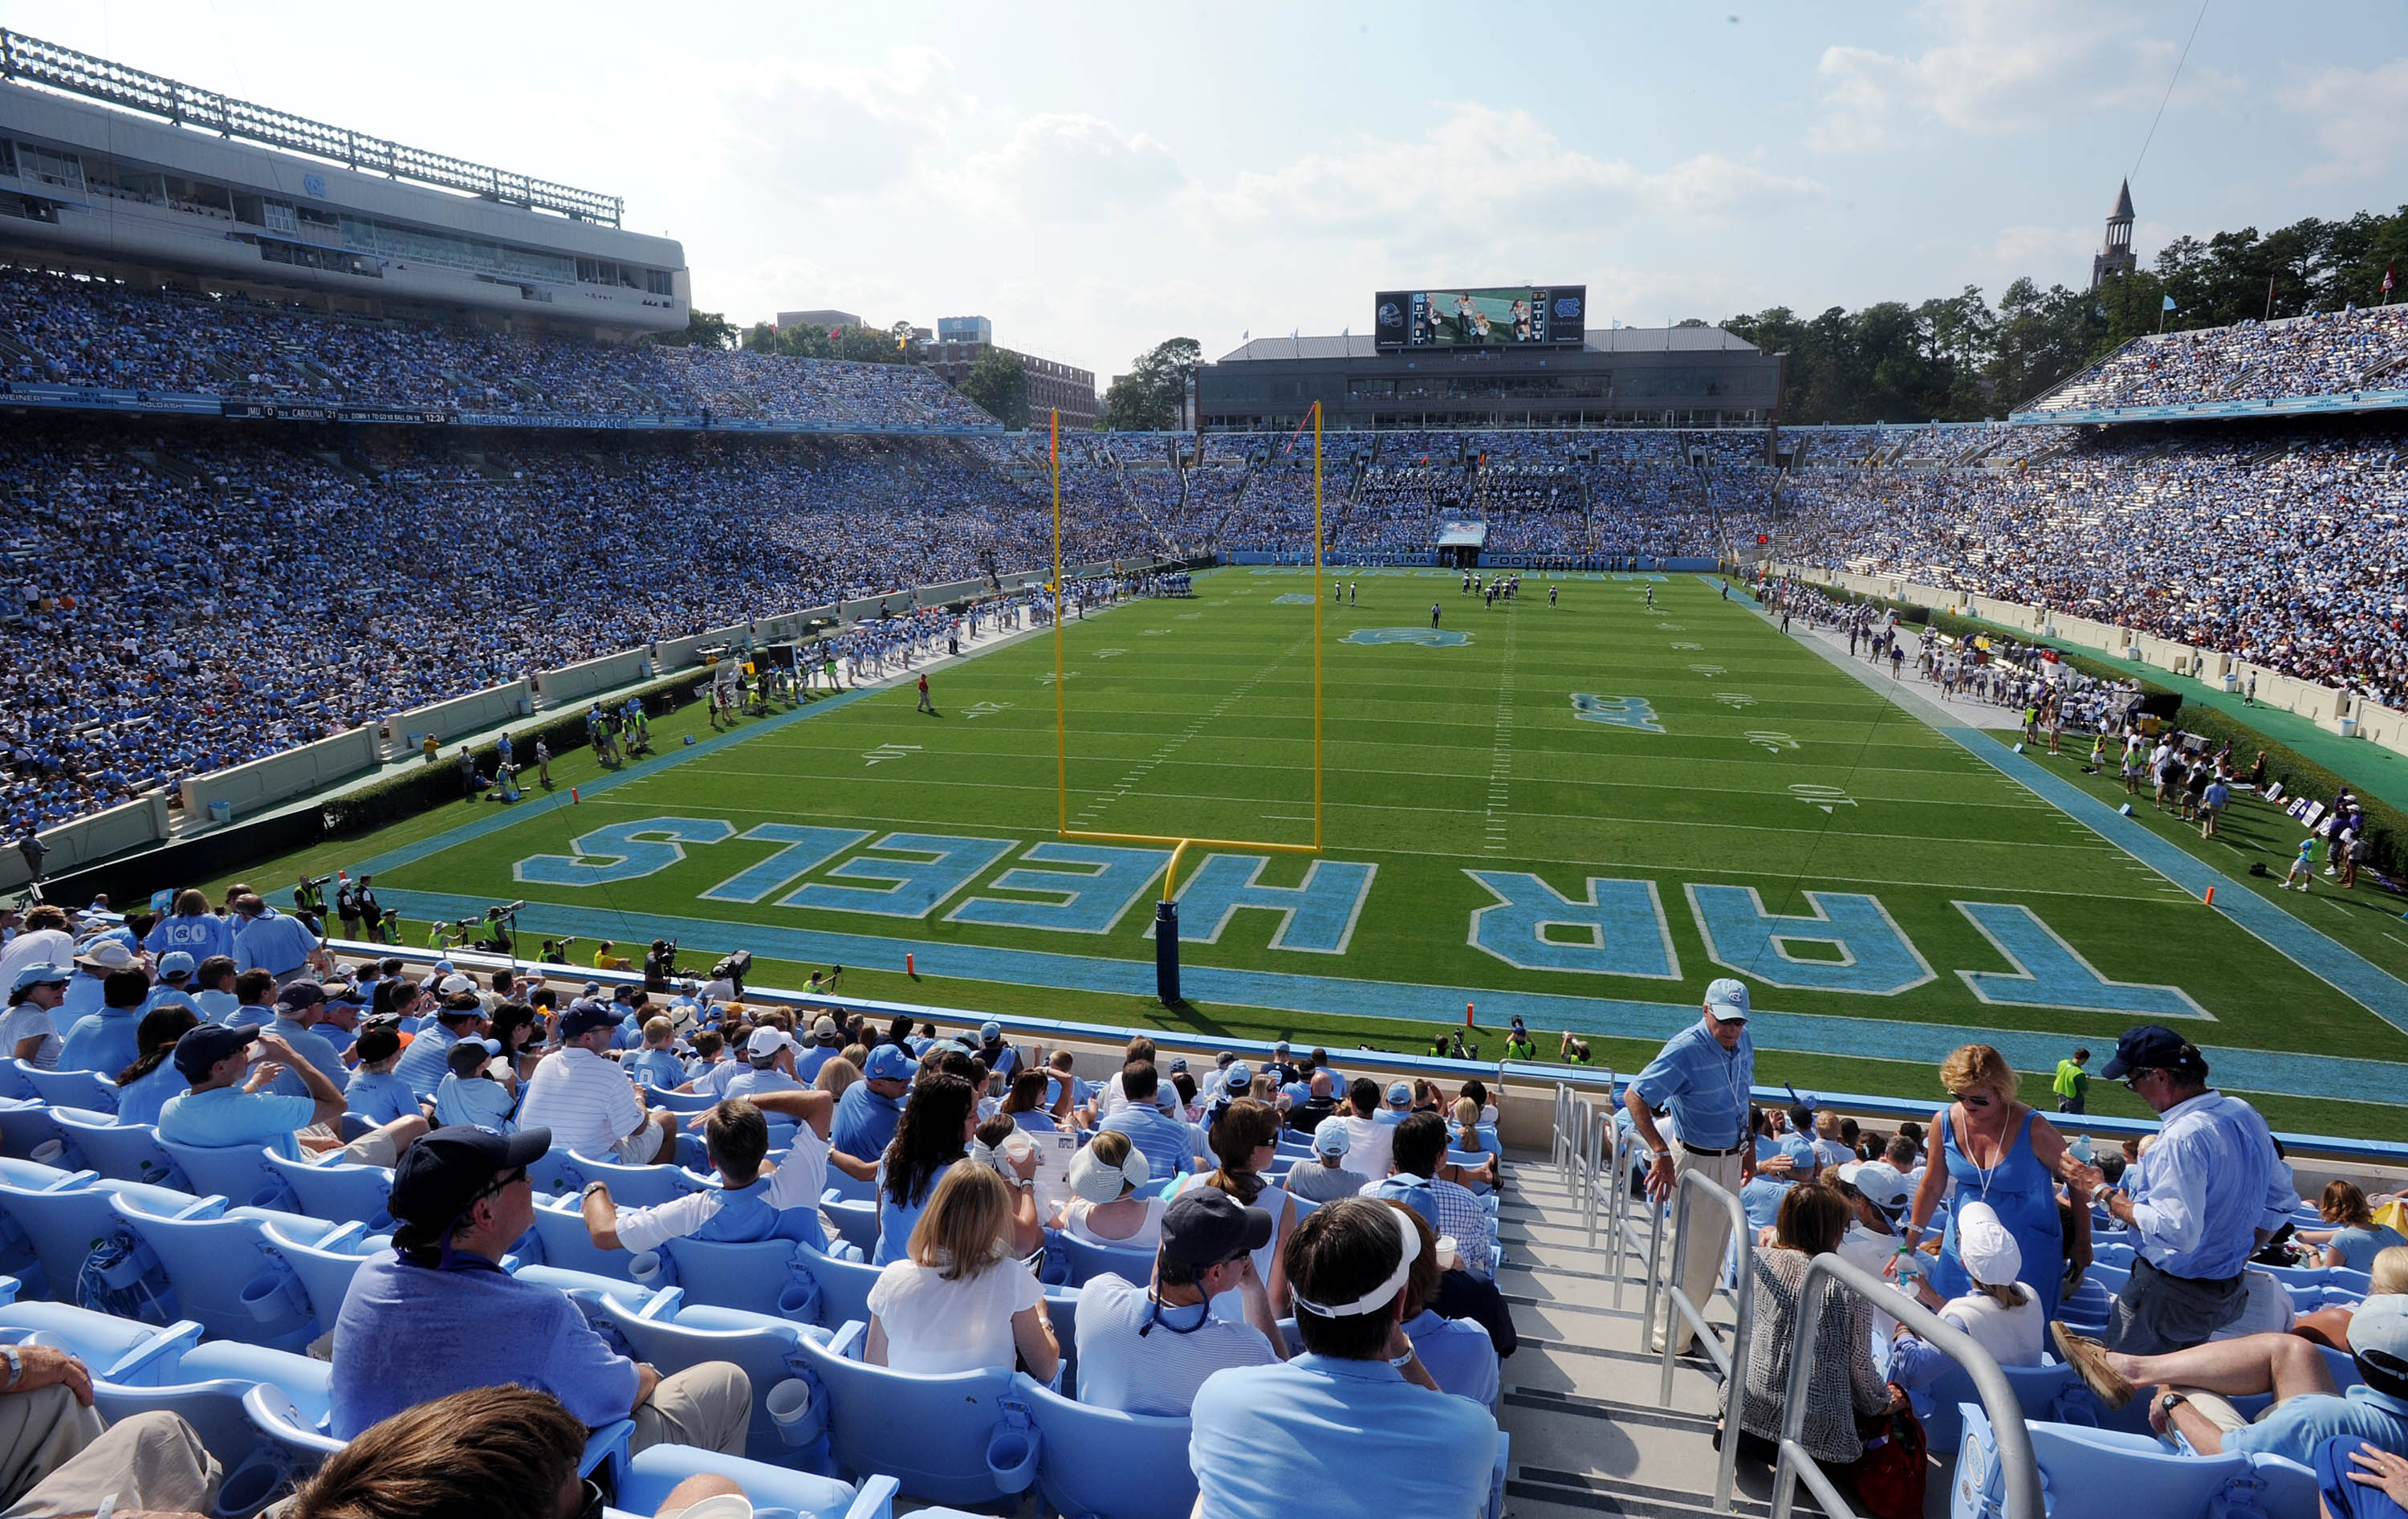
{"x": 1773, "y": 771}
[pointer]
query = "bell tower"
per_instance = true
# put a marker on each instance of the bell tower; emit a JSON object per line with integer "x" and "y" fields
{"x": 2116, "y": 256}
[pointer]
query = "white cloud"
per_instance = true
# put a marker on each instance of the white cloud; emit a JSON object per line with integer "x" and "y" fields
{"x": 1058, "y": 167}
{"x": 2001, "y": 66}
{"x": 2360, "y": 112}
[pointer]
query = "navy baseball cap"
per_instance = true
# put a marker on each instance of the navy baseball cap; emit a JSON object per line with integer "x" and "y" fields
{"x": 440, "y": 1177}
{"x": 1205, "y": 1226}
{"x": 203, "y": 1047}
{"x": 584, "y": 1017}
{"x": 2149, "y": 1047}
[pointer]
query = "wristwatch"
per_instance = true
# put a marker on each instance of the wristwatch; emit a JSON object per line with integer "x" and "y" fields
{"x": 591, "y": 1188}
{"x": 2172, "y": 1401}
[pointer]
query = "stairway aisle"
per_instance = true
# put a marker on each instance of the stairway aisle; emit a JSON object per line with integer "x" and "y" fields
{"x": 1579, "y": 1396}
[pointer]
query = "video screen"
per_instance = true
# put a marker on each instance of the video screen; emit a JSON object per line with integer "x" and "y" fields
{"x": 1498, "y": 316}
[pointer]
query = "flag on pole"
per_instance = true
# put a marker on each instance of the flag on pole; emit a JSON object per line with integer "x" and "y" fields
{"x": 2386, "y": 282}
{"x": 2169, "y": 303}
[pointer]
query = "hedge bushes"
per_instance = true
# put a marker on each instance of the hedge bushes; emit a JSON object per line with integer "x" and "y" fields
{"x": 432, "y": 785}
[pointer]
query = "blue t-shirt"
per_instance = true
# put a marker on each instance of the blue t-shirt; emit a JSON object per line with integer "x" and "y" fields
{"x": 217, "y": 1007}
{"x": 224, "y": 1117}
{"x": 1459, "y": 1355}
{"x": 864, "y": 1122}
{"x": 474, "y": 1099}
{"x": 659, "y": 1068}
{"x": 139, "y": 1102}
{"x": 2357, "y": 1247}
{"x": 409, "y": 1334}
{"x": 895, "y": 1220}
{"x": 381, "y": 1096}
{"x": 309, "y": 1046}
{"x": 2294, "y": 1427}
{"x": 1356, "y": 1435}
{"x": 102, "y": 1041}
{"x": 750, "y": 1080}
{"x": 199, "y": 937}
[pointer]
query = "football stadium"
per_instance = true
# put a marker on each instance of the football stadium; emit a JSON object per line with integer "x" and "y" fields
{"x": 629, "y": 914}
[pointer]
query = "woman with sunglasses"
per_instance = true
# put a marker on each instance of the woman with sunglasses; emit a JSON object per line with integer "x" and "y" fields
{"x": 1996, "y": 1150}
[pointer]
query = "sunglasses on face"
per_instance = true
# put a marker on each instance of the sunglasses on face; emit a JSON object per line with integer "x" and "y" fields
{"x": 1976, "y": 1100}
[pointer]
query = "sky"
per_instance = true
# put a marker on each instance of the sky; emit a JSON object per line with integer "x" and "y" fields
{"x": 1097, "y": 177}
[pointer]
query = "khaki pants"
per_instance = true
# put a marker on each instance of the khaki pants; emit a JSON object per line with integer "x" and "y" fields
{"x": 55, "y": 1459}
{"x": 1700, "y": 1266}
{"x": 708, "y": 1405}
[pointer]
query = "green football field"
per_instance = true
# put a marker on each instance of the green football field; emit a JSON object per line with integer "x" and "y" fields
{"x": 1579, "y": 813}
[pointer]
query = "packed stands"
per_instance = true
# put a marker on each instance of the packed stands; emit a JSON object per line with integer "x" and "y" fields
{"x": 2325, "y": 354}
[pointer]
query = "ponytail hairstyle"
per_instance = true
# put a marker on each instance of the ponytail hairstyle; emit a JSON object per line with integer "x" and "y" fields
{"x": 156, "y": 1037}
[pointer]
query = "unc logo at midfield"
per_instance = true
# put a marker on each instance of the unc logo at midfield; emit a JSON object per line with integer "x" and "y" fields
{"x": 1432, "y": 637}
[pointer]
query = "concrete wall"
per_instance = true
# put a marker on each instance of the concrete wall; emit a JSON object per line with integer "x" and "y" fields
{"x": 296, "y": 772}
{"x": 573, "y": 683}
{"x": 491, "y": 708}
{"x": 135, "y": 826}
{"x": 2320, "y": 704}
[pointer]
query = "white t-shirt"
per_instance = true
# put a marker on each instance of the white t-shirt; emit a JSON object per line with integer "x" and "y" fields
{"x": 2013, "y": 1335}
{"x": 24, "y": 1022}
{"x": 935, "y": 1325}
{"x": 1370, "y": 1145}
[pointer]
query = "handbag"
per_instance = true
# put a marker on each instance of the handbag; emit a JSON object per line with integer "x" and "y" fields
{"x": 1891, "y": 1474}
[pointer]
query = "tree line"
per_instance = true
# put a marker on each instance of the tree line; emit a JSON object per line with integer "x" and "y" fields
{"x": 1957, "y": 358}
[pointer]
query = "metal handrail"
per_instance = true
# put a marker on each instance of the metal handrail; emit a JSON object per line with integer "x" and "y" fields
{"x": 1730, "y": 1361}
{"x": 2016, "y": 1464}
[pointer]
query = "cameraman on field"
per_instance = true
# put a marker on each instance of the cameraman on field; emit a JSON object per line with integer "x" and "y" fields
{"x": 660, "y": 963}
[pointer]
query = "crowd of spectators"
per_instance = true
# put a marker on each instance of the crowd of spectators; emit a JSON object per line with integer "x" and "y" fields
{"x": 2285, "y": 549}
{"x": 70, "y": 331}
{"x": 188, "y": 601}
{"x": 2323, "y": 353}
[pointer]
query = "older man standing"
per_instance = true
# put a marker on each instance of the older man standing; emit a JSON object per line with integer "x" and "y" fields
{"x": 2200, "y": 1202}
{"x": 1702, "y": 1076}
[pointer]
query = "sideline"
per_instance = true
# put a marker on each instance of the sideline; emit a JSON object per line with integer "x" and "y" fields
{"x": 2330, "y": 961}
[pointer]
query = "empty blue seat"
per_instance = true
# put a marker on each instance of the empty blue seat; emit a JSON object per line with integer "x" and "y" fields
{"x": 86, "y": 1089}
{"x": 1085, "y": 1260}
{"x": 339, "y": 1193}
{"x": 566, "y": 1242}
{"x": 2107, "y": 1474}
{"x": 844, "y": 1288}
{"x": 204, "y": 1385}
{"x": 324, "y": 1263}
{"x": 124, "y": 1151}
{"x": 26, "y": 1128}
{"x": 683, "y": 1102}
{"x": 768, "y": 1276}
{"x": 239, "y": 1173}
{"x": 97, "y": 1339}
{"x": 931, "y": 1433}
{"x": 672, "y": 1336}
{"x": 850, "y": 1188}
{"x": 634, "y": 1187}
{"x": 83, "y": 1250}
{"x": 296, "y": 1420}
{"x": 1104, "y": 1462}
{"x": 651, "y": 1474}
{"x": 222, "y": 1272}
{"x": 2050, "y": 1393}
{"x": 13, "y": 1083}
{"x": 855, "y": 1220}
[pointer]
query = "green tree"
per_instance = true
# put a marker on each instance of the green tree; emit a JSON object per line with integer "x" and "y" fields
{"x": 703, "y": 329}
{"x": 998, "y": 384}
{"x": 1148, "y": 398}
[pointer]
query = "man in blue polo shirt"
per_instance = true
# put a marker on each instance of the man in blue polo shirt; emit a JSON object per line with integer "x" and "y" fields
{"x": 428, "y": 1059}
{"x": 293, "y": 1003}
{"x": 230, "y": 1107}
{"x": 104, "y": 1041}
{"x": 1169, "y": 1145}
{"x": 1701, "y": 1076}
{"x": 871, "y": 1108}
{"x": 1355, "y": 1421}
{"x": 266, "y": 939}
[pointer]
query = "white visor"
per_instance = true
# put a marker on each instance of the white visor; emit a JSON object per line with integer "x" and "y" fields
{"x": 1385, "y": 1293}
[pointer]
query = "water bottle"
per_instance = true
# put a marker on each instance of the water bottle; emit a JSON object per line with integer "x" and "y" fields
{"x": 2082, "y": 1148}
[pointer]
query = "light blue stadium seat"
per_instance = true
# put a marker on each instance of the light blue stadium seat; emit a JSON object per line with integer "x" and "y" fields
{"x": 567, "y": 1244}
{"x": 26, "y": 1127}
{"x": 123, "y": 1153}
{"x": 324, "y": 1264}
{"x": 2108, "y": 1474}
{"x": 554, "y": 1175}
{"x": 634, "y": 1187}
{"x": 844, "y": 1288}
{"x": 2050, "y": 1393}
{"x": 855, "y": 1221}
{"x": 97, "y": 1339}
{"x": 931, "y": 1433}
{"x": 221, "y": 1271}
{"x": 81, "y": 1248}
{"x": 1105, "y": 1463}
{"x": 653, "y": 1473}
{"x": 684, "y": 1102}
{"x": 86, "y": 1089}
{"x": 13, "y": 1083}
{"x": 850, "y": 1188}
{"x": 32, "y": 1173}
{"x": 296, "y": 1421}
{"x": 2088, "y": 1309}
{"x": 673, "y": 1336}
{"x": 1085, "y": 1260}
{"x": 338, "y": 1193}
{"x": 239, "y": 1173}
{"x": 204, "y": 1385}
{"x": 768, "y": 1276}
{"x": 2112, "y": 1252}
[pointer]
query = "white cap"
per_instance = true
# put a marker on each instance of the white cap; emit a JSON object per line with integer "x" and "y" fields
{"x": 1984, "y": 1247}
{"x": 1726, "y": 1000}
{"x": 1095, "y": 1182}
{"x": 455, "y": 983}
{"x": 766, "y": 1041}
{"x": 1878, "y": 1181}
